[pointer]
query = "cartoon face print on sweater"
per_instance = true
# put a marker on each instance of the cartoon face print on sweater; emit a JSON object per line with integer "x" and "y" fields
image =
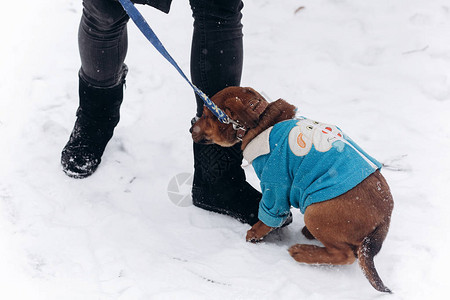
{"x": 309, "y": 132}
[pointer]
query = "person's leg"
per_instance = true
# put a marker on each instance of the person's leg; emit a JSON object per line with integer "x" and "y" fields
{"x": 102, "y": 40}
{"x": 217, "y": 47}
{"x": 216, "y": 62}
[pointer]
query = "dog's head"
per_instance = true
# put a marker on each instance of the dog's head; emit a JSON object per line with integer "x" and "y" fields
{"x": 241, "y": 104}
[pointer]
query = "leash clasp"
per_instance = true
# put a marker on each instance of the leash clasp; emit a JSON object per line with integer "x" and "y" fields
{"x": 240, "y": 129}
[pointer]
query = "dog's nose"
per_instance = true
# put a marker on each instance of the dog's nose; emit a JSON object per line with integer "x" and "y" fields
{"x": 195, "y": 129}
{"x": 193, "y": 121}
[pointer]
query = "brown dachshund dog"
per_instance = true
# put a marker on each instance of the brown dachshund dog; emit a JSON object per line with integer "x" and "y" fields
{"x": 351, "y": 225}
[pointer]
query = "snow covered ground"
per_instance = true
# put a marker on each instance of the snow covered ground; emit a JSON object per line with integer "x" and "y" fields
{"x": 378, "y": 69}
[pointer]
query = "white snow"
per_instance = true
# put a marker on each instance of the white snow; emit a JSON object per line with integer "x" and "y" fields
{"x": 380, "y": 70}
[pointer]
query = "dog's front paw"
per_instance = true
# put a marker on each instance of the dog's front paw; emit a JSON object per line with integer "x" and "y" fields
{"x": 258, "y": 232}
{"x": 253, "y": 237}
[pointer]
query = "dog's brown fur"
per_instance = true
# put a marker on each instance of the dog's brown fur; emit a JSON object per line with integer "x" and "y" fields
{"x": 352, "y": 225}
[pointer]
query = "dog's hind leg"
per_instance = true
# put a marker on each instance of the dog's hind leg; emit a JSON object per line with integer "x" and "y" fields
{"x": 330, "y": 255}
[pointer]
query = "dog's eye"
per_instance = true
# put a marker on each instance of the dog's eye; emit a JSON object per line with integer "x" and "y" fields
{"x": 309, "y": 127}
{"x": 253, "y": 103}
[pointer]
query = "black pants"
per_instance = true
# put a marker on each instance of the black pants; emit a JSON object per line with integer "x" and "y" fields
{"x": 216, "y": 53}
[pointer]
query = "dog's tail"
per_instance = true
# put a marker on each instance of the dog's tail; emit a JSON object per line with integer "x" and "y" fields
{"x": 368, "y": 248}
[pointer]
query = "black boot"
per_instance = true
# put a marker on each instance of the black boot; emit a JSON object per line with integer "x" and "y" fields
{"x": 97, "y": 116}
{"x": 219, "y": 183}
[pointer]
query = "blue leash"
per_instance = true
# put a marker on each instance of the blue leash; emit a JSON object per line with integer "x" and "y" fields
{"x": 143, "y": 26}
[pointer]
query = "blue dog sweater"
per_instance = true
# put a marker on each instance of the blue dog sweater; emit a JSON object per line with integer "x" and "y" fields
{"x": 300, "y": 162}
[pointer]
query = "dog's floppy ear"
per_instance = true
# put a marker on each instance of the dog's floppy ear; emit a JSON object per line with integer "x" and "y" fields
{"x": 232, "y": 106}
{"x": 245, "y": 108}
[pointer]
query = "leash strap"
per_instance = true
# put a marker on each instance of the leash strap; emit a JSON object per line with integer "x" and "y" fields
{"x": 145, "y": 28}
